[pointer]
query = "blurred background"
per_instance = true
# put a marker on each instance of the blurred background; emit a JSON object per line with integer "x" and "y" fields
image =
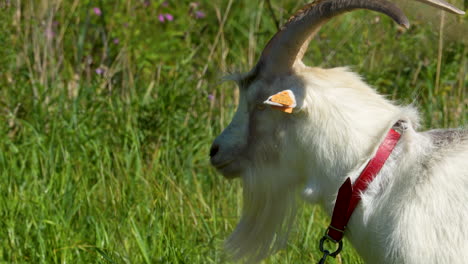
{"x": 108, "y": 110}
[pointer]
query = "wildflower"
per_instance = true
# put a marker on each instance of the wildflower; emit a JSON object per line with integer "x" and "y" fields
{"x": 211, "y": 97}
{"x": 169, "y": 17}
{"x": 199, "y": 14}
{"x": 165, "y": 4}
{"x": 146, "y": 3}
{"x": 195, "y": 12}
{"x": 116, "y": 41}
{"x": 97, "y": 11}
{"x": 51, "y": 29}
{"x": 165, "y": 17}
{"x": 99, "y": 71}
{"x": 50, "y": 33}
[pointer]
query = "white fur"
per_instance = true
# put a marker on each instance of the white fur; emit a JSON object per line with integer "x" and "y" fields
{"x": 416, "y": 211}
{"x": 410, "y": 213}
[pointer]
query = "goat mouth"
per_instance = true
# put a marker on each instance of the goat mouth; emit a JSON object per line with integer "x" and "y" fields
{"x": 223, "y": 164}
{"x": 227, "y": 170}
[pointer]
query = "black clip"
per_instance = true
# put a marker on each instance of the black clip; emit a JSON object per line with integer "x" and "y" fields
{"x": 326, "y": 252}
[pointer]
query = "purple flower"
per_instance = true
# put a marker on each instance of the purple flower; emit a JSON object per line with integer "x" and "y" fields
{"x": 195, "y": 12}
{"x": 165, "y": 17}
{"x": 97, "y": 11}
{"x": 147, "y": 3}
{"x": 199, "y": 14}
{"x": 169, "y": 17}
{"x": 211, "y": 97}
{"x": 99, "y": 71}
{"x": 165, "y": 4}
{"x": 116, "y": 41}
{"x": 50, "y": 33}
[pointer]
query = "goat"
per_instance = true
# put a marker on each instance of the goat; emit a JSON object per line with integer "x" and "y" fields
{"x": 327, "y": 127}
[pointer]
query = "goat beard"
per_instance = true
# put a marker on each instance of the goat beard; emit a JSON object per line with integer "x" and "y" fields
{"x": 268, "y": 213}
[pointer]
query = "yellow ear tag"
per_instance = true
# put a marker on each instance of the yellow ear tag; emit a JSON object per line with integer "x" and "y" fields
{"x": 284, "y": 101}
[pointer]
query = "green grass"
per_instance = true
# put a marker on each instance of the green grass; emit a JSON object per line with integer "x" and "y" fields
{"x": 113, "y": 168}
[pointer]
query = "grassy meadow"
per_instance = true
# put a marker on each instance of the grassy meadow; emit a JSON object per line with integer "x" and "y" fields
{"x": 108, "y": 109}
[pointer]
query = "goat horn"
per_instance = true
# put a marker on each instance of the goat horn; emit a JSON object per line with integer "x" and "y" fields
{"x": 290, "y": 43}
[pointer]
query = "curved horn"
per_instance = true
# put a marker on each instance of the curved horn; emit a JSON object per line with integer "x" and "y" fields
{"x": 289, "y": 44}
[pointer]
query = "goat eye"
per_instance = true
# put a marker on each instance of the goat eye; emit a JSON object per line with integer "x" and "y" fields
{"x": 260, "y": 107}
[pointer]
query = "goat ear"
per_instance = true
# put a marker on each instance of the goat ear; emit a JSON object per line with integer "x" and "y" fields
{"x": 284, "y": 101}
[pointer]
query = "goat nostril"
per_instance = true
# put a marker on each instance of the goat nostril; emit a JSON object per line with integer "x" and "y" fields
{"x": 214, "y": 149}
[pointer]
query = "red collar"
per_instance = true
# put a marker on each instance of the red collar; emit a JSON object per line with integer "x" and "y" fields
{"x": 349, "y": 196}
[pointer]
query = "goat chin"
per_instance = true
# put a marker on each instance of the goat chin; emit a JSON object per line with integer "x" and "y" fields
{"x": 268, "y": 215}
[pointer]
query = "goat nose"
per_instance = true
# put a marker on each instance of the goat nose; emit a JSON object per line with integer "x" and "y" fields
{"x": 214, "y": 149}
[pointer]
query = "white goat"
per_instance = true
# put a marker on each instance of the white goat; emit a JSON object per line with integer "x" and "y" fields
{"x": 416, "y": 209}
